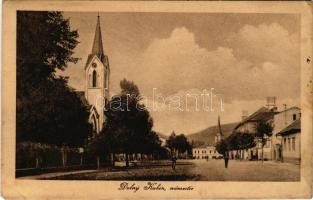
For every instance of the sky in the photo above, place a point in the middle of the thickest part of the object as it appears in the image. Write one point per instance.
(178, 60)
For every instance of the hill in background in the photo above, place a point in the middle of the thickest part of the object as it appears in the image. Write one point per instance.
(206, 137)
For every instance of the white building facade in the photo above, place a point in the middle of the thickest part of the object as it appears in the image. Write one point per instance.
(204, 153)
(282, 120)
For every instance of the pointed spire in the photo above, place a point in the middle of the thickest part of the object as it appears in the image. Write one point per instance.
(219, 126)
(97, 47)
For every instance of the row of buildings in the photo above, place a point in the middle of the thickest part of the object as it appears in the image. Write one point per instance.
(282, 145)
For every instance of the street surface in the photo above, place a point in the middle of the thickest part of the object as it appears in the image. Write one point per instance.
(192, 170)
(214, 170)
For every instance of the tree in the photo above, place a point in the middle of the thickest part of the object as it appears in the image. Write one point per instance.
(221, 147)
(153, 143)
(263, 132)
(128, 124)
(232, 141)
(171, 142)
(239, 141)
(45, 43)
(178, 143)
(247, 140)
(47, 110)
(55, 117)
(97, 146)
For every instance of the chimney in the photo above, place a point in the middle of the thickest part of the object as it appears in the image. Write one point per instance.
(271, 103)
(244, 115)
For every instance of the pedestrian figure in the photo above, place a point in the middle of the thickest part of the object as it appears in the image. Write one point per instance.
(226, 158)
(174, 162)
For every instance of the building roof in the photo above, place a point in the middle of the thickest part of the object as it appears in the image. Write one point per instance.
(293, 107)
(97, 47)
(292, 128)
(204, 146)
(262, 114)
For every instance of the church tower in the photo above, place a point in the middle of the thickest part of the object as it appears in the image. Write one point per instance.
(97, 73)
(219, 134)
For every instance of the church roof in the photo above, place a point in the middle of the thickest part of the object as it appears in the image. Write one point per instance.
(97, 47)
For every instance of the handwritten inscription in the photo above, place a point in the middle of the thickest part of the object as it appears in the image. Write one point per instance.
(127, 186)
(153, 186)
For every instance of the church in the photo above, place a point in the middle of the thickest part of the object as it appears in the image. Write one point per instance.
(97, 73)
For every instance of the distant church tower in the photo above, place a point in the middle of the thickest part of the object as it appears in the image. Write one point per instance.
(219, 134)
(97, 73)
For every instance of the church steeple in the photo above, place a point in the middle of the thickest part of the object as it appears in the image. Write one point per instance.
(219, 134)
(219, 126)
(97, 47)
(97, 75)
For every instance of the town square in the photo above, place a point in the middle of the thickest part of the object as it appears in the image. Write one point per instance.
(225, 105)
(192, 170)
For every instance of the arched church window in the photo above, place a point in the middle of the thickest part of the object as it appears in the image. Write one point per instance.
(94, 78)
(89, 80)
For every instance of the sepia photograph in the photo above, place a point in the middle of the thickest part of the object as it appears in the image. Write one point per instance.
(122, 96)
(169, 99)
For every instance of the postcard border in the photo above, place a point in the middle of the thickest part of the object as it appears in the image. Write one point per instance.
(13, 188)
